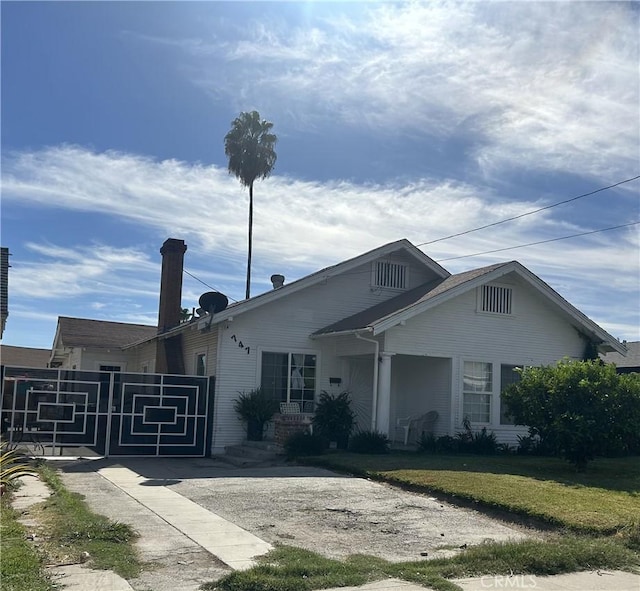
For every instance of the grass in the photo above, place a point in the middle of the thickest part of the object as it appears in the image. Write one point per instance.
(603, 500)
(72, 530)
(20, 564)
(294, 569)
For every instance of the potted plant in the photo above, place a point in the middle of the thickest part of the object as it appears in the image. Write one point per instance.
(256, 409)
(334, 420)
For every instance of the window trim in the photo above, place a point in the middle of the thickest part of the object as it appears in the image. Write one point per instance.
(196, 357)
(491, 394)
(290, 352)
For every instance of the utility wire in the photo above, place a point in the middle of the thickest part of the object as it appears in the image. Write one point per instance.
(206, 284)
(529, 213)
(464, 256)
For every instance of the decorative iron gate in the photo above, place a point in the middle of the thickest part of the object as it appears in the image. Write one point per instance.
(77, 412)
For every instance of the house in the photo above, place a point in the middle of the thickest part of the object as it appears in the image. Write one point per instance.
(625, 364)
(391, 326)
(81, 343)
(24, 356)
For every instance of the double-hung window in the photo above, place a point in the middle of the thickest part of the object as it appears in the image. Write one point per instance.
(477, 391)
(289, 377)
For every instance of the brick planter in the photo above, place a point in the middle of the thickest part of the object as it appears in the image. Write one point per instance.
(287, 425)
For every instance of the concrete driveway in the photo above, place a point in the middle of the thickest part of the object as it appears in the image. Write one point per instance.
(199, 518)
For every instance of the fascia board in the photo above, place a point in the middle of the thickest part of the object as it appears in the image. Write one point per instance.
(579, 317)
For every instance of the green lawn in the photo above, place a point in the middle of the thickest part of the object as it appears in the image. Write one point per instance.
(604, 499)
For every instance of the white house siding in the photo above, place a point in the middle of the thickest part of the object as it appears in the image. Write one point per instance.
(92, 359)
(420, 385)
(536, 334)
(195, 342)
(285, 325)
(143, 355)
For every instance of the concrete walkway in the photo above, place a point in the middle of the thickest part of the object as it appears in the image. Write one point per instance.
(233, 545)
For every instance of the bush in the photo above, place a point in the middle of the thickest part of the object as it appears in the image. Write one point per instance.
(334, 420)
(578, 409)
(428, 443)
(369, 442)
(304, 444)
(256, 409)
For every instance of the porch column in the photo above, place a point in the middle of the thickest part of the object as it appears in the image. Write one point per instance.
(384, 393)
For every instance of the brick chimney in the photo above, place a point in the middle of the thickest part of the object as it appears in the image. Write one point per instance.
(170, 308)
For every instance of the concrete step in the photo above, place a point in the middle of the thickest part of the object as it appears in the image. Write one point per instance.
(250, 454)
(250, 451)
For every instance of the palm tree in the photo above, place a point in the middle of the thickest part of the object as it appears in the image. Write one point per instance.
(249, 145)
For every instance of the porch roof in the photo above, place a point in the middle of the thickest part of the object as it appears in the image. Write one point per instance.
(367, 318)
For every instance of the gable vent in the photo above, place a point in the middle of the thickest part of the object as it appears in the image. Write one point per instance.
(496, 299)
(392, 275)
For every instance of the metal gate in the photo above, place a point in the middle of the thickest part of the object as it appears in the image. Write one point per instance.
(99, 413)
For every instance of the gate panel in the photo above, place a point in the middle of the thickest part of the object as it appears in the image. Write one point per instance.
(159, 415)
(56, 411)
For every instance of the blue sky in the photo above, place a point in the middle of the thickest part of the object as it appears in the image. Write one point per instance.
(394, 120)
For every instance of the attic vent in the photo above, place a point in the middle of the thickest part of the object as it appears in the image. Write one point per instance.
(496, 299)
(388, 274)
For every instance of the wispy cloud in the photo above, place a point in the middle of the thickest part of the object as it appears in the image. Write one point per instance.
(532, 86)
(299, 228)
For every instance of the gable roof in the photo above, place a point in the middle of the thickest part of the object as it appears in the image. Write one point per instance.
(319, 276)
(367, 319)
(630, 360)
(82, 332)
(391, 313)
(24, 356)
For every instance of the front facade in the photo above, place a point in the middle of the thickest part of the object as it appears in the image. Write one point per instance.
(393, 328)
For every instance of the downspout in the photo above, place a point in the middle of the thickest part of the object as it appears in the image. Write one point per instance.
(374, 410)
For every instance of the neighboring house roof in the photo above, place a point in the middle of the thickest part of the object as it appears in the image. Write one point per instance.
(403, 302)
(82, 332)
(24, 356)
(629, 361)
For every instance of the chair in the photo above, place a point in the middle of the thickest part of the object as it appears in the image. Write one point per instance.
(417, 423)
(289, 408)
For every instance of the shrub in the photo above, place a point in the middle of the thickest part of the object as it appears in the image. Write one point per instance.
(13, 465)
(428, 443)
(304, 444)
(369, 442)
(256, 409)
(484, 442)
(578, 409)
(334, 420)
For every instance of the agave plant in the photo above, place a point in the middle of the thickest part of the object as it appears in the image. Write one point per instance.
(12, 465)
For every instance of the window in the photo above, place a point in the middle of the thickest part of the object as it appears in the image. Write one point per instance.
(387, 274)
(110, 368)
(201, 364)
(477, 388)
(289, 377)
(496, 299)
(508, 376)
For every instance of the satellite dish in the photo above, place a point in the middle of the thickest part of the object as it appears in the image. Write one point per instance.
(213, 302)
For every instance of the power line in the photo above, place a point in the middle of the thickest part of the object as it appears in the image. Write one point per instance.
(529, 212)
(206, 284)
(464, 256)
